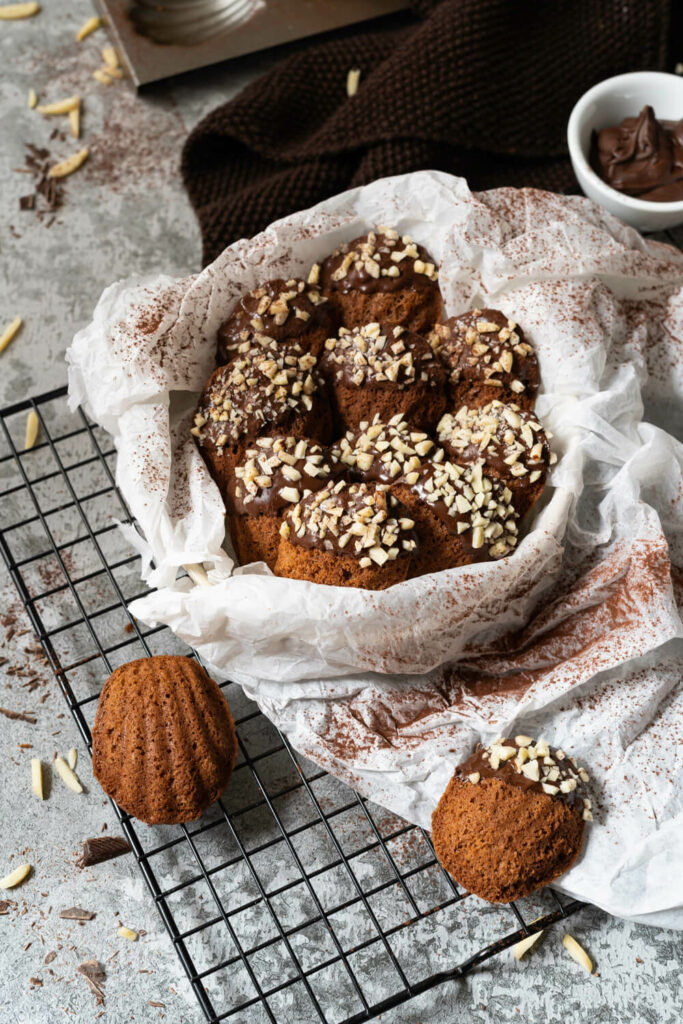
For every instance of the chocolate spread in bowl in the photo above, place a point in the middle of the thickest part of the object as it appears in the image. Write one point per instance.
(641, 157)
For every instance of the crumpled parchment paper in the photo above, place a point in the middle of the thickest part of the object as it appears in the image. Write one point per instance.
(576, 637)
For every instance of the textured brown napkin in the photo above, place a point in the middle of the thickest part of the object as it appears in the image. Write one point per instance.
(481, 88)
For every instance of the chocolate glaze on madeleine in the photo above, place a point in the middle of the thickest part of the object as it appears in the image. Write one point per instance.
(461, 516)
(352, 535)
(379, 367)
(511, 444)
(487, 358)
(266, 388)
(274, 474)
(284, 310)
(383, 452)
(383, 275)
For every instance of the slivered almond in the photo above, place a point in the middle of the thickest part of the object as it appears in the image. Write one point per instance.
(32, 98)
(32, 429)
(127, 933)
(197, 574)
(11, 12)
(87, 28)
(524, 945)
(352, 81)
(109, 56)
(10, 332)
(75, 122)
(61, 106)
(577, 952)
(102, 77)
(69, 165)
(67, 776)
(15, 877)
(37, 777)
(72, 758)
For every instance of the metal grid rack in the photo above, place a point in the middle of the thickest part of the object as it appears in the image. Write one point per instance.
(293, 897)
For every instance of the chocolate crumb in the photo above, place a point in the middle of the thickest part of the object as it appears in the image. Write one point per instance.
(102, 848)
(50, 957)
(94, 974)
(77, 914)
(21, 716)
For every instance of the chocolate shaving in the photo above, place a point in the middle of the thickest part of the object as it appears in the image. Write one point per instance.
(21, 716)
(50, 957)
(153, 1002)
(5, 906)
(102, 848)
(93, 972)
(48, 193)
(77, 914)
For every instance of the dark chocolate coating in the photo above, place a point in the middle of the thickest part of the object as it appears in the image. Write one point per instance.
(384, 355)
(293, 466)
(349, 267)
(479, 762)
(284, 310)
(353, 520)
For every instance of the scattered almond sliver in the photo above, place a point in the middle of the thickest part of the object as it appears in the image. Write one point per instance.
(72, 758)
(10, 12)
(67, 776)
(37, 778)
(15, 877)
(9, 333)
(102, 77)
(69, 165)
(61, 106)
(75, 122)
(32, 98)
(524, 945)
(88, 27)
(32, 429)
(577, 953)
(110, 57)
(197, 574)
(352, 81)
(127, 933)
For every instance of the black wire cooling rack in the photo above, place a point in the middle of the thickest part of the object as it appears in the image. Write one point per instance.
(293, 898)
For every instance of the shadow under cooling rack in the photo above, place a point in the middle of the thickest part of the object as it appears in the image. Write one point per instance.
(292, 898)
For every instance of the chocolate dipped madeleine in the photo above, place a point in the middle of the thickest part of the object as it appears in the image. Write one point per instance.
(511, 444)
(381, 368)
(266, 389)
(460, 515)
(486, 357)
(383, 276)
(348, 535)
(383, 452)
(286, 311)
(511, 819)
(275, 474)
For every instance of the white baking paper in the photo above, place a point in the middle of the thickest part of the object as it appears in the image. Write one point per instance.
(576, 637)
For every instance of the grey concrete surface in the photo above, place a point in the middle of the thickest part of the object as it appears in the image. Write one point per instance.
(125, 212)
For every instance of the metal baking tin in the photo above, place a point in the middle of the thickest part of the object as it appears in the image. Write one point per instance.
(159, 38)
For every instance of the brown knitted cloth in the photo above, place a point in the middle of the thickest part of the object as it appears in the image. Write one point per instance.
(481, 88)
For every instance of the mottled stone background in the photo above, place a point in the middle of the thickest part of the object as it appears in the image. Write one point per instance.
(125, 213)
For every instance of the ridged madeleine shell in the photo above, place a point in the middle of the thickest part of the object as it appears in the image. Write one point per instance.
(164, 742)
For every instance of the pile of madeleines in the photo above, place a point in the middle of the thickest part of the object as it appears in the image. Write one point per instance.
(357, 438)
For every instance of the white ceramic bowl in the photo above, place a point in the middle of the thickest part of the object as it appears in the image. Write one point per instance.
(608, 103)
